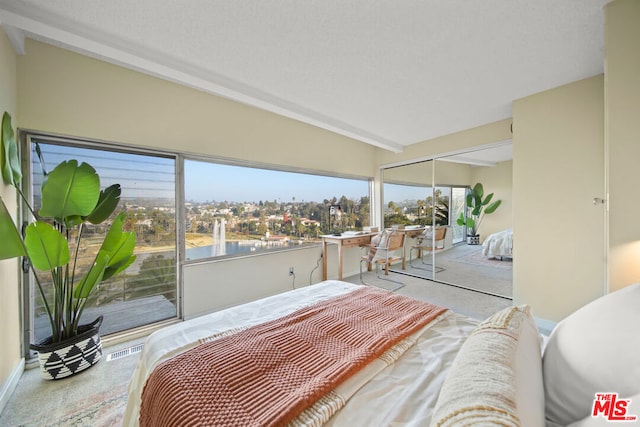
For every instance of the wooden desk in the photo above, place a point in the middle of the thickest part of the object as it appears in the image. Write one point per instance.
(343, 241)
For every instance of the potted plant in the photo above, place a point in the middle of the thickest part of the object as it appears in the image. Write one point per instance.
(478, 205)
(70, 198)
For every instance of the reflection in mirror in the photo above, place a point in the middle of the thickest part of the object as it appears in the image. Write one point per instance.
(432, 194)
(409, 196)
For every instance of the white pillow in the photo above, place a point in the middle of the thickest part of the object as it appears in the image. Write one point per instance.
(496, 377)
(594, 350)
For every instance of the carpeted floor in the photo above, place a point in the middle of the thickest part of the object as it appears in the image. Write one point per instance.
(465, 266)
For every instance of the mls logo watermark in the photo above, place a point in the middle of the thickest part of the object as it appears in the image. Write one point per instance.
(611, 408)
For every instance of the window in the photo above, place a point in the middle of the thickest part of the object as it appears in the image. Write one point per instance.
(415, 204)
(236, 210)
(147, 291)
(229, 210)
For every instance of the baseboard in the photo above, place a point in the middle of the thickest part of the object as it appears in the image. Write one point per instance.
(10, 385)
(545, 326)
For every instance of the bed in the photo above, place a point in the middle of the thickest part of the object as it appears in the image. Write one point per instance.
(499, 244)
(452, 370)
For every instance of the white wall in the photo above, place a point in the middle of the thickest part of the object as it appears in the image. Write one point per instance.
(214, 285)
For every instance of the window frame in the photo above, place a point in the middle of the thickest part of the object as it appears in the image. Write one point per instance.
(28, 292)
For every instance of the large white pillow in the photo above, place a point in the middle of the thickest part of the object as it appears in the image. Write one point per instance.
(496, 377)
(594, 350)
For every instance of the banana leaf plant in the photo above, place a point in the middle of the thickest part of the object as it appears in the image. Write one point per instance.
(478, 205)
(70, 198)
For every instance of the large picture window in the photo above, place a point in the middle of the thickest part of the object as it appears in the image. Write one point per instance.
(239, 210)
(146, 292)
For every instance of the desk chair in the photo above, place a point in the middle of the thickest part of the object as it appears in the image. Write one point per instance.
(386, 248)
(427, 244)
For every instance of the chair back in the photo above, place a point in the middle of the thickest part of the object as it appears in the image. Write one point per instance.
(395, 241)
(441, 232)
(385, 242)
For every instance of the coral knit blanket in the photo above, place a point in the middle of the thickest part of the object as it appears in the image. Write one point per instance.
(270, 373)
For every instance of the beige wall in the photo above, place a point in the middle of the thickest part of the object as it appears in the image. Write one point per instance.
(499, 181)
(558, 168)
(10, 333)
(622, 133)
(67, 93)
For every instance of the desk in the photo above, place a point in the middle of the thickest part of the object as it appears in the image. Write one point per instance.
(343, 241)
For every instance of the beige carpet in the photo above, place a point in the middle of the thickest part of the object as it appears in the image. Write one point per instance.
(465, 266)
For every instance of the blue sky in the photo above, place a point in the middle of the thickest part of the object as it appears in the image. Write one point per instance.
(210, 181)
(145, 176)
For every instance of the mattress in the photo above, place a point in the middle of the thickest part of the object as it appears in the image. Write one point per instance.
(402, 393)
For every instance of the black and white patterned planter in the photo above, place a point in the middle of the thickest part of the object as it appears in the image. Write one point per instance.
(71, 356)
(473, 240)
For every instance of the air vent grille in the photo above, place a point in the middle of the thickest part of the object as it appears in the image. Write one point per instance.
(124, 352)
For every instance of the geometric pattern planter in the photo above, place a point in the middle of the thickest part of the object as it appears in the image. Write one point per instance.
(66, 358)
(473, 240)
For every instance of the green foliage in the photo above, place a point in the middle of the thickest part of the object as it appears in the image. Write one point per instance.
(71, 196)
(478, 205)
(9, 161)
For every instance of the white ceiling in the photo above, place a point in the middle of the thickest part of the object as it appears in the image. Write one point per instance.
(386, 72)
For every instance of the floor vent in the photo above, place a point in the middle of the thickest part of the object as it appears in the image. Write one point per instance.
(124, 352)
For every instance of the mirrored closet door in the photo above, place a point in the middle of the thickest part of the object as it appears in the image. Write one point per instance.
(428, 197)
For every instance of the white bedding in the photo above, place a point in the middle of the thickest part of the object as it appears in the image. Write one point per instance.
(404, 393)
(499, 244)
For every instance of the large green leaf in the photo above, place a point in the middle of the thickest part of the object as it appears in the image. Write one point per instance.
(93, 276)
(46, 246)
(487, 199)
(492, 207)
(470, 200)
(12, 245)
(70, 190)
(9, 161)
(117, 269)
(107, 203)
(478, 190)
(119, 246)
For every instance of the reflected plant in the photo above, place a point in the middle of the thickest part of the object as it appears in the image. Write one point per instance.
(478, 205)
